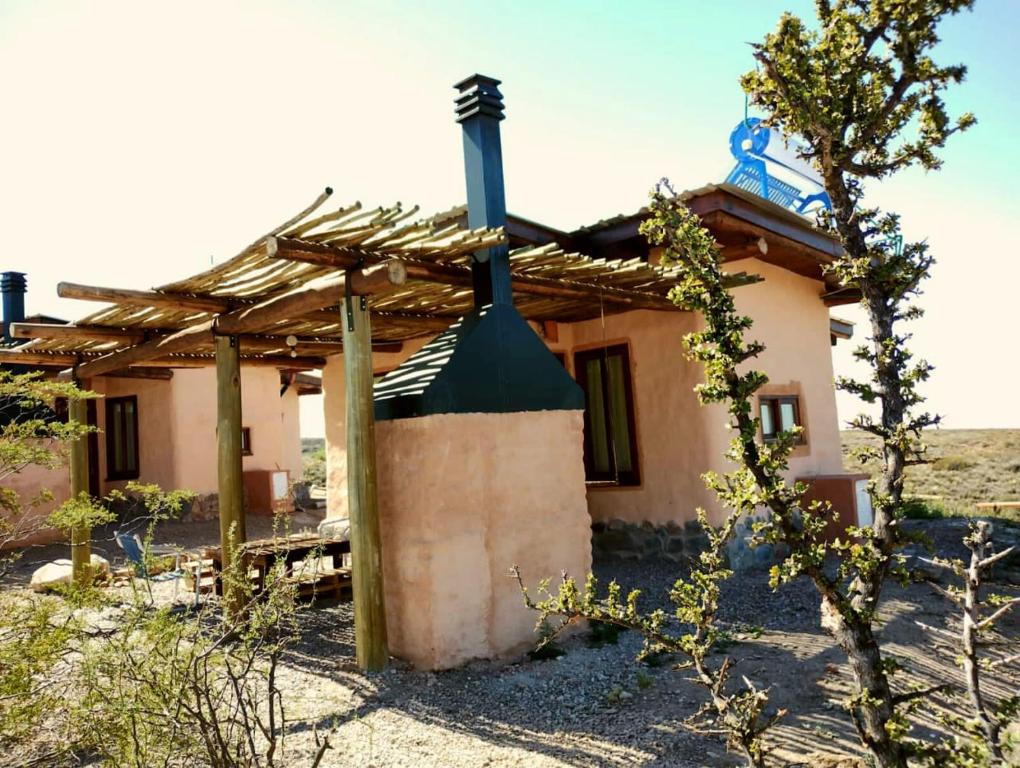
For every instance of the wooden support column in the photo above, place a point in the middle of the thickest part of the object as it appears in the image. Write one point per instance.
(78, 458)
(229, 465)
(363, 508)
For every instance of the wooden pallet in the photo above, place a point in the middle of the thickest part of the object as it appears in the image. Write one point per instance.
(200, 575)
(333, 582)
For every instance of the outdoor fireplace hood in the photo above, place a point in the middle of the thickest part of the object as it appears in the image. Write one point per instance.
(489, 361)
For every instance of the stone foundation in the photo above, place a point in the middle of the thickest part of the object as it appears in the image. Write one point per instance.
(629, 541)
(673, 541)
(205, 506)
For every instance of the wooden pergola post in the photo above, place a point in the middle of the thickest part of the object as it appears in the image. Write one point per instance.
(363, 507)
(229, 464)
(78, 459)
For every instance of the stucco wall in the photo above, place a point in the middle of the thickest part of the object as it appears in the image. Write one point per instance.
(28, 529)
(156, 436)
(334, 406)
(273, 421)
(177, 426)
(670, 427)
(290, 434)
(677, 438)
(462, 498)
(793, 323)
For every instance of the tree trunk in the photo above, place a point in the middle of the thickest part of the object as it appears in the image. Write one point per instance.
(978, 545)
(874, 708)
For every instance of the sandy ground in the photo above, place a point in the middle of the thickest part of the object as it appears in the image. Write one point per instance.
(594, 706)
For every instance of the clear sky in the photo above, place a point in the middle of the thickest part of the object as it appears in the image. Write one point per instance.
(140, 140)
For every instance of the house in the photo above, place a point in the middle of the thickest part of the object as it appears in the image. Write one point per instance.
(647, 440)
(530, 386)
(157, 424)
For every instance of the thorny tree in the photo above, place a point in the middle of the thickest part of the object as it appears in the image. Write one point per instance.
(865, 94)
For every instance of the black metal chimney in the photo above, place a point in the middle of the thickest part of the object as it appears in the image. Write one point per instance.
(12, 287)
(479, 108)
(490, 360)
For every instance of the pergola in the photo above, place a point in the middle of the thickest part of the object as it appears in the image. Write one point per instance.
(306, 290)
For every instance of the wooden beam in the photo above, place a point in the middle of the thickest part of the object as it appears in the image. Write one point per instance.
(142, 298)
(78, 332)
(305, 346)
(229, 468)
(182, 341)
(255, 344)
(78, 461)
(362, 504)
(316, 294)
(452, 274)
(12, 357)
(283, 362)
(426, 322)
(161, 374)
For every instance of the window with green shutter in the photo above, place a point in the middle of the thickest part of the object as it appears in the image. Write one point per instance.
(610, 441)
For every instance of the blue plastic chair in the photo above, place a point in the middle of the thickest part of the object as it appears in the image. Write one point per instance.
(757, 149)
(135, 552)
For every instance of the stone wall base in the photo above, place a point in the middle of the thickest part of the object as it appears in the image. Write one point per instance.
(674, 541)
(630, 541)
(205, 506)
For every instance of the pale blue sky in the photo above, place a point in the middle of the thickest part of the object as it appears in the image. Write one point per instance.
(139, 140)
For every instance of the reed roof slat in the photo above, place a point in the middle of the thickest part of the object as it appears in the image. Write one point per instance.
(406, 311)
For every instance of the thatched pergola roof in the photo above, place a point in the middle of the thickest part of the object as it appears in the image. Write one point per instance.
(285, 284)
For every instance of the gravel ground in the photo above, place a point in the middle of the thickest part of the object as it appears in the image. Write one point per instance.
(595, 705)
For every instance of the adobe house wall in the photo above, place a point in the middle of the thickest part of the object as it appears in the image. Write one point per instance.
(334, 405)
(156, 433)
(273, 420)
(670, 427)
(678, 439)
(27, 485)
(460, 503)
(793, 323)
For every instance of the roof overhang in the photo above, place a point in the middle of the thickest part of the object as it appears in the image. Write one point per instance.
(840, 329)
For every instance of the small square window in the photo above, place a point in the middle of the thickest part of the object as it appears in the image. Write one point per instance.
(779, 413)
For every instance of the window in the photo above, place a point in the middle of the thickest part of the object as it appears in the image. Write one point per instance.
(610, 444)
(246, 441)
(779, 414)
(122, 438)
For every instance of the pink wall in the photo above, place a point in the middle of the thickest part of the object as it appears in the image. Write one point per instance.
(462, 499)
(156, 449)
(334, 405)
(28, 529)
(177, 426)
(678, 439)
(273, 420)
(671, 428)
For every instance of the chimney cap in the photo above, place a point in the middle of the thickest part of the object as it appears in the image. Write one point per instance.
(13, 282)
(479, 94)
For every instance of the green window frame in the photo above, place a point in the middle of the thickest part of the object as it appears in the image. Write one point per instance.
(610, 433)
(122, 438)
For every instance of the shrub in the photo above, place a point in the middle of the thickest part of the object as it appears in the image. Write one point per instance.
(952, 464)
